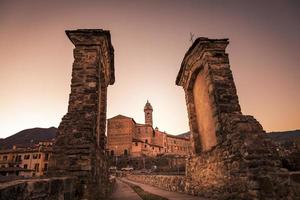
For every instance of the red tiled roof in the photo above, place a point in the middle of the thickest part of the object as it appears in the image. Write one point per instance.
(121, 117)
(177, 137)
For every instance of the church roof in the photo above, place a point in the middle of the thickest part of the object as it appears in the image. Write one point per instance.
(178, 137)
(122, 117)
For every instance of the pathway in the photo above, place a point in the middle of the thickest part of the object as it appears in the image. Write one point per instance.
(164, 193)
(124, 192)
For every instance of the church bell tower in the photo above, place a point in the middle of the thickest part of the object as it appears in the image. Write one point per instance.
(148, 113)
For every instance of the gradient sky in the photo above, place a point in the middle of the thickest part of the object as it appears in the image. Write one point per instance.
(150, 39)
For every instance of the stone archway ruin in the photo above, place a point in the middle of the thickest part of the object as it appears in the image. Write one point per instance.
(209, 89)
(233, 159)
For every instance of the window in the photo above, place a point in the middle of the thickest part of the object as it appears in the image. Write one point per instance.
(125, 152)
(112, 153)
(45, 167)
(25, 166)
(136, 144)
(152, 148)
(39, 156)
(18, 158)
(27, 156)
(36, 167)
(46, 156)
(4, 157)
(146, 141)
(35, 156)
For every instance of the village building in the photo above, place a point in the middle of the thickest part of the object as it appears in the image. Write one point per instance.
(127, 137)
(26, 162)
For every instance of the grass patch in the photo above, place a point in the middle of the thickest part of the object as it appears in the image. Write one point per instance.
(144, 194)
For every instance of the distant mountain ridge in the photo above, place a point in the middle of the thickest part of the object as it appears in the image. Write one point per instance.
(285, 134)
(28, 137)
(286, 137)
(277, 135)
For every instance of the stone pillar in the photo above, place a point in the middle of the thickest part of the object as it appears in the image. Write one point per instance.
(233, 159)
(79, 149)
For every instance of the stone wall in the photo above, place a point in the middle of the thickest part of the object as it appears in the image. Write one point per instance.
(79, 149)
(289, 187)
(35, 189)
(170, 183)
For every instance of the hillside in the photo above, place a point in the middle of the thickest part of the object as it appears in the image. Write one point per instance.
(28, 137)
(285, 134)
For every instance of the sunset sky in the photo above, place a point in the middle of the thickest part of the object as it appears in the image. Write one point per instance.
(150, 39)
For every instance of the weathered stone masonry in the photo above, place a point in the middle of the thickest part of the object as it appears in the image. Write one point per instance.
(79, 149)
(290, 181)
(207, 80)
(53, 188)
(233, 157)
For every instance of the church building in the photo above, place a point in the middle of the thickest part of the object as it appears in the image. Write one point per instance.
(127, 137)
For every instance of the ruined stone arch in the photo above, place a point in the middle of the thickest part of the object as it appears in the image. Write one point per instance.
(209, 91)
(229, 168)
(231, 160)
